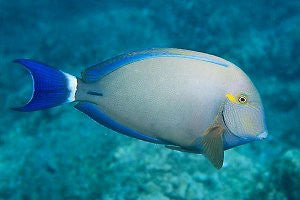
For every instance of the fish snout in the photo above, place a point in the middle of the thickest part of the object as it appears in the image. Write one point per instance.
(263, 135)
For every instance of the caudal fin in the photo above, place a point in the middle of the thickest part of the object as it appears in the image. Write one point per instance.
(51, 87)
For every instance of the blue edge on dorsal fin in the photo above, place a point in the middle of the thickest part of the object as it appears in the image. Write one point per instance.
(98, 71)
(94, 112)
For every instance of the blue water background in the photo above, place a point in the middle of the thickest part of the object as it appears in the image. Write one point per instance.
(62, 154)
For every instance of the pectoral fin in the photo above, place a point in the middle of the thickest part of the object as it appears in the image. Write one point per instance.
(212, 145)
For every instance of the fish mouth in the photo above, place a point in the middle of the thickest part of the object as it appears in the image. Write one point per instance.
(263, 135)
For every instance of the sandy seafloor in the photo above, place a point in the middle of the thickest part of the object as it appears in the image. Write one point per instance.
(61, 154)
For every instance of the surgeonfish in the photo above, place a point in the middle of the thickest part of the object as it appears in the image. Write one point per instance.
(185, 100)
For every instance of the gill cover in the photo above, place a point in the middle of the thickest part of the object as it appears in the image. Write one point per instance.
(245, 120)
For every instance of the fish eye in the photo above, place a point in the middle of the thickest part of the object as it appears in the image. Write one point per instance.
(242, 99)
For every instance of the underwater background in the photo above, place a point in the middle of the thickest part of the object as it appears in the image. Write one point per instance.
(62, 154)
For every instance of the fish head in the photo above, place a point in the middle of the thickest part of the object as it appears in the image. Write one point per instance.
(243, 112)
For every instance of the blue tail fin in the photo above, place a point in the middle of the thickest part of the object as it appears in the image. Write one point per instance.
(51, 87)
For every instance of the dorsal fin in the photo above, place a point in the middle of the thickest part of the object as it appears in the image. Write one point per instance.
(97, 71)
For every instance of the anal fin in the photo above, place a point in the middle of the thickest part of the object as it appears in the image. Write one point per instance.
(179, 148)
(94, 112)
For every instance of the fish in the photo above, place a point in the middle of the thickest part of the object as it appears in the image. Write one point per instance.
(185, 100)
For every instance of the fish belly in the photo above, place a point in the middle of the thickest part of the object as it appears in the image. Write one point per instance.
(170, 98)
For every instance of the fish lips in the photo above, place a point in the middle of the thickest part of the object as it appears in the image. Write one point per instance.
(263, 135)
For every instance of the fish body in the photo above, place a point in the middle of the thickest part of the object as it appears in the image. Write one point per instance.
(169, 98)
(166, 96)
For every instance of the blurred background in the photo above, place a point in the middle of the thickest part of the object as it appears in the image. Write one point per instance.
(61, 154)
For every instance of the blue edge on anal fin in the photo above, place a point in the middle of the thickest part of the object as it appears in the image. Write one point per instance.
(94, 112)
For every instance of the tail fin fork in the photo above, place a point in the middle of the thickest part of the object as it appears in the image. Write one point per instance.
(51, 87)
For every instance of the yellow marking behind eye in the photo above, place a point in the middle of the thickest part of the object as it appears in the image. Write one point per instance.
(231, 98)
